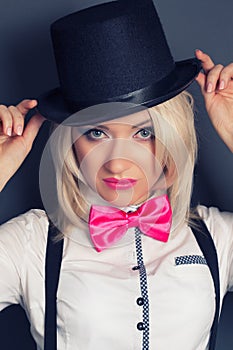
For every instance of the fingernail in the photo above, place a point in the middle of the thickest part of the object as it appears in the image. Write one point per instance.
(222, 85)
(8, 131)
(209, 87)
(19, 130)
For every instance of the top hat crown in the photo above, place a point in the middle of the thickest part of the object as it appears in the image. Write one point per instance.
(113, 52)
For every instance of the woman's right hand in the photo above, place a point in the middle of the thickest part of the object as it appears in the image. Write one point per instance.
(15, 140)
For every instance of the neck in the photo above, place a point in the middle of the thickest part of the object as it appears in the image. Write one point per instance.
(93, 198)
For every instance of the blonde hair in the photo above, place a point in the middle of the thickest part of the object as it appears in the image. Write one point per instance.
(175, 138)
(174, 126)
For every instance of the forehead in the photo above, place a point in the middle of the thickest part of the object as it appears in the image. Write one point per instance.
(138, 118)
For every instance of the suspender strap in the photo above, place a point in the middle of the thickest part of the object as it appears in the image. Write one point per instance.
(52, 271)
(207, 246)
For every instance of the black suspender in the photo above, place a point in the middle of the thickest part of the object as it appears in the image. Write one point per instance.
(208, 249)
(52, 271)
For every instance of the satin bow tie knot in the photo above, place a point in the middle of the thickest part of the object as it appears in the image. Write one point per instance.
(107, 225)
(132, 219)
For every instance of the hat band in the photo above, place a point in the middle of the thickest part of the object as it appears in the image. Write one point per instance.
(138, 97)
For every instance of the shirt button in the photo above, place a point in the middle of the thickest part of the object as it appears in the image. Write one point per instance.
(140, 301)
(140, 326)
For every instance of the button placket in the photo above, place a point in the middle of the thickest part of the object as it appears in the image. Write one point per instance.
(143, 300)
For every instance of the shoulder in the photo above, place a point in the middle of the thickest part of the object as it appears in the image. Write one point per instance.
(220, 226)
(27, 227)
(216, 219)
(23, 240)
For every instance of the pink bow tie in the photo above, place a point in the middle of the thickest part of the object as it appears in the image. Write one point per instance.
(107, 225)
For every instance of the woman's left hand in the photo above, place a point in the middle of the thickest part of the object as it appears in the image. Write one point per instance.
(217, 88)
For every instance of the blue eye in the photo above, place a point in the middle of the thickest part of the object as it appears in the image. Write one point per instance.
(145, 134)
(94, 134)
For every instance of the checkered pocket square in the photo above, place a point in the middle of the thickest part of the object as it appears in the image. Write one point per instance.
(190, 259)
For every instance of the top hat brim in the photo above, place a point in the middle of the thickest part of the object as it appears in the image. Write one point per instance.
(53, 106)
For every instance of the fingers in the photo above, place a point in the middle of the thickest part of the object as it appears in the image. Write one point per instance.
(226, 76)
(17, 121)
(215, 77)
(12, 117)
(6, 120)
(207, 63)
(201, 80)
(25, 106)
(32, 129)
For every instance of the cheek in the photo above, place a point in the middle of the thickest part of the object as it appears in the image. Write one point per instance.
(140, 156)
(90, 160)
(81, 149)
(153, 171)
(144, 156)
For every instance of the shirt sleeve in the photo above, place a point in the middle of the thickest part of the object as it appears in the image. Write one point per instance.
(15, 237)
(220, 225)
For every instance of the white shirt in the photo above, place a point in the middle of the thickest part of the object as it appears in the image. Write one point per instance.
(97, 292)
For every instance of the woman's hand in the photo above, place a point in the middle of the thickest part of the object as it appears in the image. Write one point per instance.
(217, 88)
(15, 140)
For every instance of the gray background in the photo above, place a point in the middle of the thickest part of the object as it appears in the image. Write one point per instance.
(27, 69)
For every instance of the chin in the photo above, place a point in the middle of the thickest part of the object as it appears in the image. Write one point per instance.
(124, 199)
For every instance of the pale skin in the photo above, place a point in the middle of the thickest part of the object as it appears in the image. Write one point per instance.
(216, 85)
(120, 149)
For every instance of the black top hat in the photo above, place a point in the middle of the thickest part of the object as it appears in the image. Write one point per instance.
(113, 52)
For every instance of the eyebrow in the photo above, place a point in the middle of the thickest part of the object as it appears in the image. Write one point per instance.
(141, 124)
(106, 128)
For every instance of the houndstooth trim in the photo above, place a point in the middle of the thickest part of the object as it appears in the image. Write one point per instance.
(144, 290)
(190, 259)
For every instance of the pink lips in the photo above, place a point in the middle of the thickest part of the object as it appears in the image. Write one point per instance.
(119, 184)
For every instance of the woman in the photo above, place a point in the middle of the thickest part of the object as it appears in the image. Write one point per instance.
(126, 162)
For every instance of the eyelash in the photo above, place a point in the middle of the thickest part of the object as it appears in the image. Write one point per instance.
(149, 130)
(89, 134)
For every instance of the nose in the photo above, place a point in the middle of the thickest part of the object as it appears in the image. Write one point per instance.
(117, 165)
(118, 156)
